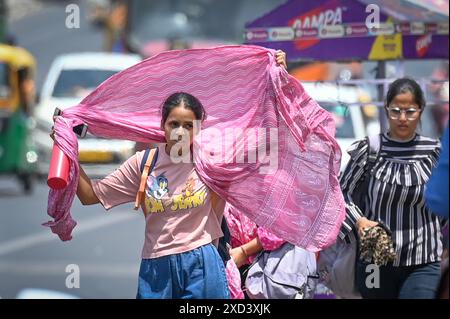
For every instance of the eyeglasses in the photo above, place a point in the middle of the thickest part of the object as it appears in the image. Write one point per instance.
(411, 114)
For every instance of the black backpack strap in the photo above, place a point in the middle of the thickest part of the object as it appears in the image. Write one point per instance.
(146, 169)
(144, 159)
(373, 149)
(224, 241)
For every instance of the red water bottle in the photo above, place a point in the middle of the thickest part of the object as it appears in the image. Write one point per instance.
(58, 174)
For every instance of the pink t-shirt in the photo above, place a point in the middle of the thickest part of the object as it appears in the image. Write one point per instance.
(178, 210)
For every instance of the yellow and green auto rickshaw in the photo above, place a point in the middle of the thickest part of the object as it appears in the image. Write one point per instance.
(17, 96)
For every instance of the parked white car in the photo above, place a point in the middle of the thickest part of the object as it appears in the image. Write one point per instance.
(342, 101)
(71, 78)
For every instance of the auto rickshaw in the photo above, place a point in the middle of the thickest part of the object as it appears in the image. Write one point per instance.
(17, 96)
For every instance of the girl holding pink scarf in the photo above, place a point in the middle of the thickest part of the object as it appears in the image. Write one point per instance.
(293, 191)
(183, 216)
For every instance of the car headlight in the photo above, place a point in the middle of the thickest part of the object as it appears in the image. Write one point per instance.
(31, 157)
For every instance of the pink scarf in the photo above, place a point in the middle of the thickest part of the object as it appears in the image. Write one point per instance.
(240, 87)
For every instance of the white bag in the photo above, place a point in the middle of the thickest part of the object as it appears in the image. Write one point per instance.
(339, 263)
(289, 272)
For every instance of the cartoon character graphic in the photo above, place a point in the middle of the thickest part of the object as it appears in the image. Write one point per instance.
(188, 189)
(158, 186)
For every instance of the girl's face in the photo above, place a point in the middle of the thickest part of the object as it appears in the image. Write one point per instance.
(404, 116)
(179, 126)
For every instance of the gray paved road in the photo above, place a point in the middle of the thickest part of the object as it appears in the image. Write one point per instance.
(106, 247)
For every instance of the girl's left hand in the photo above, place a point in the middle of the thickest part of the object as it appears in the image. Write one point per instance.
(281, 58)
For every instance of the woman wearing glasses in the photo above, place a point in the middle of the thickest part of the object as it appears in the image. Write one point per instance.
(395, 198)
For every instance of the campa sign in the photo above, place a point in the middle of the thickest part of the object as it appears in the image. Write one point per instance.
(315, 19)
(422, 45)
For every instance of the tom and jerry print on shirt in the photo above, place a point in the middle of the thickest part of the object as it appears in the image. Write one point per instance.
(160, 198)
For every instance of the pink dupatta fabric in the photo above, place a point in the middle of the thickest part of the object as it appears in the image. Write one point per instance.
(241, 87)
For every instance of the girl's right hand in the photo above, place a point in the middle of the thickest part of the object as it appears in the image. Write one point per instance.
(52, 134)
(281, 58)
(364, 223)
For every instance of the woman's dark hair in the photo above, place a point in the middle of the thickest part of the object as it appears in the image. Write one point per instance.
(183, 99)
(404, 85)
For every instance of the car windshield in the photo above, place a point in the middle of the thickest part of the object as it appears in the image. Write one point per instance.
(197, 19)
(342, 119)
(79, 83)
(5, 88)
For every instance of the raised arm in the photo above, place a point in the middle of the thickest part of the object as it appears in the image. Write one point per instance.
(85, 192)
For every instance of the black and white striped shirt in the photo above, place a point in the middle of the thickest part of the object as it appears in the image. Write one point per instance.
(396, 196)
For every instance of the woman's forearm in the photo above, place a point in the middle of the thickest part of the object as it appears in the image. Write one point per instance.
(85, 192)
(253, 247)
